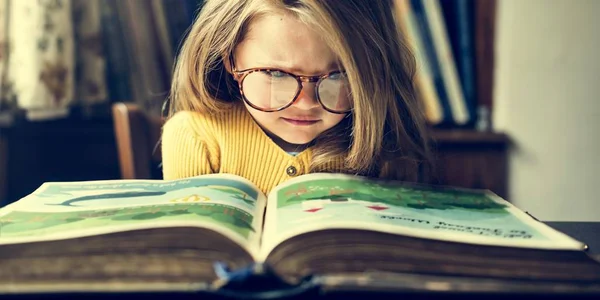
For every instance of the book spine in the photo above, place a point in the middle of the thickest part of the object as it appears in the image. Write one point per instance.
(149, 64)
(484, 27)
(423, 78)
(179, 19)
(465, 53)
(434, 64)
(136, 83)
(117, 71)
(441, 45)
(164, 40)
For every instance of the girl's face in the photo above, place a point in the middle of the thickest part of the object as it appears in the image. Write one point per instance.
(282, 42)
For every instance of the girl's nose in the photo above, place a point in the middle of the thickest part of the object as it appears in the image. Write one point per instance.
(307, 99)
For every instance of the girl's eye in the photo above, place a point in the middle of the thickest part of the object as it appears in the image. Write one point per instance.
(277, 74)
(335, 76)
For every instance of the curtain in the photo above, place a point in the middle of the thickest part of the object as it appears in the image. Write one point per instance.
(51, 56)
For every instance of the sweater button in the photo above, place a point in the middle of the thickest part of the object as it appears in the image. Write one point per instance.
(291, 171)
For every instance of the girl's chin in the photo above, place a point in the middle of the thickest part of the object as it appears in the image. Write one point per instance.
(298, 141)
(294, 142)
(291, 139)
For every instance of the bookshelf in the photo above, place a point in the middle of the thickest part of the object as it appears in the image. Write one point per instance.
(471, 159)
(462, 136)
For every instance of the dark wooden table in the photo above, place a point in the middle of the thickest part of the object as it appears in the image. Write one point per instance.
(587, 232)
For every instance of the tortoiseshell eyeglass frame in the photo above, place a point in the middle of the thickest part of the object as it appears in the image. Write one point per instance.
(240, 75)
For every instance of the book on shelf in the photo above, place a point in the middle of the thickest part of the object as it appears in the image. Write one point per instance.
(425, 87)
(440, 33)
(212, 233)
(432, 11)
(459, 17)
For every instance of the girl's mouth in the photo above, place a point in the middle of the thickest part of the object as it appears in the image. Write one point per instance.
(300, 122)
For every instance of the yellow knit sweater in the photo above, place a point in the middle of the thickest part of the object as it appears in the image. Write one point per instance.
(195, 144)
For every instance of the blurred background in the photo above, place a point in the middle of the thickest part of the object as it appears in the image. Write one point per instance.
(509, 89)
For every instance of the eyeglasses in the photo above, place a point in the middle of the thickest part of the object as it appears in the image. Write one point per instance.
(271, 90)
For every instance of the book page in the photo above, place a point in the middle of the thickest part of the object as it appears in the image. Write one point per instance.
(228, 204)
(327, 201)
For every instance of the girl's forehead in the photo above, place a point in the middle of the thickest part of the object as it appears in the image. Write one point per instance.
(285, 42)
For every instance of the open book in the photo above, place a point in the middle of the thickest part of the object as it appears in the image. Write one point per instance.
(342, 231)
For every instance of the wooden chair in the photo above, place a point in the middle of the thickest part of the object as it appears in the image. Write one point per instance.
(138, 142)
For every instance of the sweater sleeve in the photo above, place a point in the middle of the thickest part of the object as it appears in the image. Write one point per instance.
(185, 152)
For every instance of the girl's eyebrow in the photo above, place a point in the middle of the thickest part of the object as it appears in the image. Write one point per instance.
(333, 66)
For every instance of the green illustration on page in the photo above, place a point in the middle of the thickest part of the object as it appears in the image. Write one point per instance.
(63, 208)
(18, 223)
(326, 202)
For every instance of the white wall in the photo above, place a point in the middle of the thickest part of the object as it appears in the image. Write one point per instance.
(547, 98)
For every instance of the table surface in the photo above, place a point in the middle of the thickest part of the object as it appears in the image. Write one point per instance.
(586, 232)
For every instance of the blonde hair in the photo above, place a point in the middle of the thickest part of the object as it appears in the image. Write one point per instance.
(384, 136)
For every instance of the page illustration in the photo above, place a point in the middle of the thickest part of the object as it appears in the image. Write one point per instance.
(72, 208)
(336, 200)
(324, 201)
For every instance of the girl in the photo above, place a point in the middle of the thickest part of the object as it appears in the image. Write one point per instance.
(271, 89)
